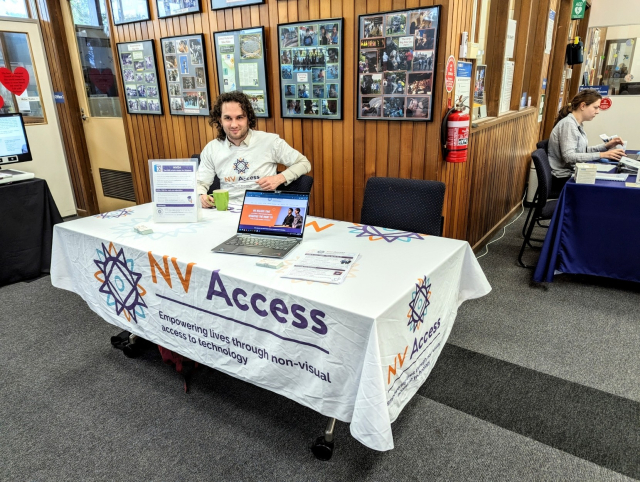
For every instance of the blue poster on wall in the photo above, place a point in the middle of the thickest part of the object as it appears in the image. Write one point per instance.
(603, 90)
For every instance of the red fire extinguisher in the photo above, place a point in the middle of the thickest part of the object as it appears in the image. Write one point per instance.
(455, 133)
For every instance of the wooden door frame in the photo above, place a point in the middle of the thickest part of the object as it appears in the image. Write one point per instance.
(73, 137)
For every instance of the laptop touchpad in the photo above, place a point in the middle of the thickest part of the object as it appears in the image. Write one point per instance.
(247, 250)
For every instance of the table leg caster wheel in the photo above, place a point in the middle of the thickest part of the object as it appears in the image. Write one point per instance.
(322, 449)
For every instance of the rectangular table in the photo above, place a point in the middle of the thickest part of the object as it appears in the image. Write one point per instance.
(28, 216)
(594, 231)
(356, 352)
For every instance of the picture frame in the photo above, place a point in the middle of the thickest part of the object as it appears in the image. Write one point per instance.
(185, 70)
(310, 69)
(137, 11)
(396, 64)
(221, 4)
(139, 73)
(241, 62)
(169, 8)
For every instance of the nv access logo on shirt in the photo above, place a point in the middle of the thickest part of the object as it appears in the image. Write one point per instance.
(241, 166)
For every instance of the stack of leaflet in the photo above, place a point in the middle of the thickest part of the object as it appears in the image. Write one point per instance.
(586, 173)
(322, 266)
(612, 177)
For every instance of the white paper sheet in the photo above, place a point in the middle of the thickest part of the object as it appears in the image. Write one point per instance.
(323, 266)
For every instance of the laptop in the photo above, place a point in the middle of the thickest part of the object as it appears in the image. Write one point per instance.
(271, 224)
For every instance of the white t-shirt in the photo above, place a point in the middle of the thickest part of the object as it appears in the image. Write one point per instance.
(239, 167)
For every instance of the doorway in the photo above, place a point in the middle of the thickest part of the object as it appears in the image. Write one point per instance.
(88, 32)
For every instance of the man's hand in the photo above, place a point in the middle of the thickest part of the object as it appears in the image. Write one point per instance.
(613, 154)
(270, 183)
(206, 201)
(613, 143)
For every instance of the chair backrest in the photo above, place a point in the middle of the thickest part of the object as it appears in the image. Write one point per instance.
(411, 205)
(216, 180)
(303, 184)
(543, 172)
(544, 144)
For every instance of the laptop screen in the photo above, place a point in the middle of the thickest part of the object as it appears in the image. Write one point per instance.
(274, 213)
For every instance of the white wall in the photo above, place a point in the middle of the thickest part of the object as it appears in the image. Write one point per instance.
(607, 13)
(622, 117)
(45, 140)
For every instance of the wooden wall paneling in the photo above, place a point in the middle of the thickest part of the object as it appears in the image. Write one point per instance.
(499, 176)
(523, 16)
(337, 175)
(496, 45)
(147, 121)
(350, 110)
(349, 36)
(539, 58)
(557, 65)
(314, 130)
(432, 151)
(329, 200)
(167, 126)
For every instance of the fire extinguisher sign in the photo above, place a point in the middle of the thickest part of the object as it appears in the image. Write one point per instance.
(450, 74)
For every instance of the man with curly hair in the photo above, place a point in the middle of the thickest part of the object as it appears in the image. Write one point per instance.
(241, 157)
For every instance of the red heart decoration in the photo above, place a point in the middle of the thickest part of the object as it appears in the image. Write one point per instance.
(16, 81)
(102, 79)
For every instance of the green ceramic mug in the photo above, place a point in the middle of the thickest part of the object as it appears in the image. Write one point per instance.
(221, 198)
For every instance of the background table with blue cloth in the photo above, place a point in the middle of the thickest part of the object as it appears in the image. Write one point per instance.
(595, 230)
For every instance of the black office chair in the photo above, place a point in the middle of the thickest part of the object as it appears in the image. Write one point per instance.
(542, 208)
(216, 180)
(303, 184)
(411, 205)
(544, 144)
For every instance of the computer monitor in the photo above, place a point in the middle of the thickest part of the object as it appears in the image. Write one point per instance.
(14, 145)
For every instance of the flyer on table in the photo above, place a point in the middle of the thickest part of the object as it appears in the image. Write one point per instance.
(174, 191)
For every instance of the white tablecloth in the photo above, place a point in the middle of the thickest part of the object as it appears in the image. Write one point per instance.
(357, 351)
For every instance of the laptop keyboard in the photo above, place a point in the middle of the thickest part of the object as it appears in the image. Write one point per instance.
(262, 242)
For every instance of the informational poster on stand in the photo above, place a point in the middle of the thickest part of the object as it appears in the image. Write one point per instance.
(507, 85)
(173, 190)
(549, 36)
(463, 82)
(479, 104)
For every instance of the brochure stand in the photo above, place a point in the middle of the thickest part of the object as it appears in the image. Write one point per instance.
(173, 190)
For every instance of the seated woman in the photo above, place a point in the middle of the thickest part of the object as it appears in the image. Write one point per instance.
(568, 142)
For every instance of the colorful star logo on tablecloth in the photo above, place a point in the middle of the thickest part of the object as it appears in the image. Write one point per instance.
(241, 166)
(375, 233)
(419, 303)
(120, 282)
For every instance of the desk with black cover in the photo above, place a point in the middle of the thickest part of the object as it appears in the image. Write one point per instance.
(28, 215)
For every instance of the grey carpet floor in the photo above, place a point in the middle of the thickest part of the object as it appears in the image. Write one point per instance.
(501, 404)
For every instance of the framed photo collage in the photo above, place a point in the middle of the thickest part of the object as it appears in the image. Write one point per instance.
(396, 68)
(186, 73)
(310, 61)
(140, 77)
(396, 64)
